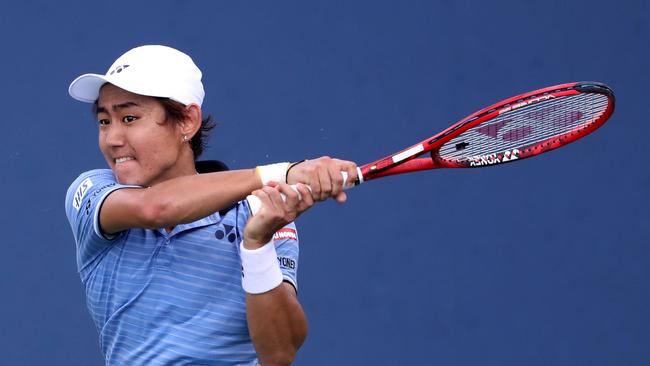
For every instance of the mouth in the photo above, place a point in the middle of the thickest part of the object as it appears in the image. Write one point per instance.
(123, 159)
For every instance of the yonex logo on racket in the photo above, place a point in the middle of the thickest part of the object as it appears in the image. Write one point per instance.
(491, 159)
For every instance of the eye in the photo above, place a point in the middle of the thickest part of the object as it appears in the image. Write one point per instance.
(129, 119)
(104, 122)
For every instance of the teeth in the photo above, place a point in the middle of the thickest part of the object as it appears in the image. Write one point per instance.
(123, 159)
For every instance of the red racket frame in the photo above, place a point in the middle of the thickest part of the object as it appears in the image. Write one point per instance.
(407, 160)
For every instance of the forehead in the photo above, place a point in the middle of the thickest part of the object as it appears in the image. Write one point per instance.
(111, 96)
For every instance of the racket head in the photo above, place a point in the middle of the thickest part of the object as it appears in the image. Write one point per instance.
(520, 127)
(524, 126)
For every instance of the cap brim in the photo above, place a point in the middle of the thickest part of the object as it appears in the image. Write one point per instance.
(86, 87)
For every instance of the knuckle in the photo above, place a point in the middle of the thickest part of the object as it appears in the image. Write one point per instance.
(290, 193)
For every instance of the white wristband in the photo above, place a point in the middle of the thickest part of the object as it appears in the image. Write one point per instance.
(273, 172)
(261, 270)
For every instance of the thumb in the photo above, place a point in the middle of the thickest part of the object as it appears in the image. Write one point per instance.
(341, 197)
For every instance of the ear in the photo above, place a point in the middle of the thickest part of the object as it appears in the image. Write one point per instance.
(191, 124)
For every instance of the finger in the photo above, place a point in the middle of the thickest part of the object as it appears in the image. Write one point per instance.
(307, 200)
(265, 201)
(336, 179)
(325, 185)
(287, 205)
(314, 184)
(353, 174)
(291, 196)
(341, 197)
(275, 205)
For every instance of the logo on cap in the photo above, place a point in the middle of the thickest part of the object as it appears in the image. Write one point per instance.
(118, 69)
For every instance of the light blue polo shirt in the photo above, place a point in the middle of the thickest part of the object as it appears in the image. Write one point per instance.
(161, 298)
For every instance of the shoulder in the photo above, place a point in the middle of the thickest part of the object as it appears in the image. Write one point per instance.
(92, 180)
(91, 177)
(96, 173)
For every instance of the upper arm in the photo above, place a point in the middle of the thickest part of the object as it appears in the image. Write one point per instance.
(95, 202)
(127, 208)
(82, 205)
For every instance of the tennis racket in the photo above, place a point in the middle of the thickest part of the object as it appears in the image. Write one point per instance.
(517, 128)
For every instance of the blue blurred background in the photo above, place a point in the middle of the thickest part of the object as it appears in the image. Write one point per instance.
(545, 262)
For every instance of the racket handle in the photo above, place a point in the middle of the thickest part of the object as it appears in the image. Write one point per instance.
(254, 203)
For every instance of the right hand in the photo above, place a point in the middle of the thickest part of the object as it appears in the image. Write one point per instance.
(323, 176)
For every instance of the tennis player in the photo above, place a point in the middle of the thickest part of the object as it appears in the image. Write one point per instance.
(175, 268)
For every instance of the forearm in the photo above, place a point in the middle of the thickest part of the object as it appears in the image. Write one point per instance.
(277, 324)
(189, 198)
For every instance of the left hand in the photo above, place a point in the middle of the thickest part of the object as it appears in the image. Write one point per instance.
(274, 212)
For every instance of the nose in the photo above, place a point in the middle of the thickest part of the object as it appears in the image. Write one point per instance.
(114, 135)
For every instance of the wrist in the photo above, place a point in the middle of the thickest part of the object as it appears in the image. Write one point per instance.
(272, 173)
(252, 244)
(260, 269)
(286, 178)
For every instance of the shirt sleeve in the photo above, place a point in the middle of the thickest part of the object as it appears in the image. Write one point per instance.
(82, 204)
(286, 246)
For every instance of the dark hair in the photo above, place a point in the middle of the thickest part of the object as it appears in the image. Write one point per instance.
(175, 112)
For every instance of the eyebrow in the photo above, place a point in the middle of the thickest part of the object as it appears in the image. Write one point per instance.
(116, 107)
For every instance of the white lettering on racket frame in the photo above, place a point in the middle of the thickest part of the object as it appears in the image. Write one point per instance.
(481, 160)
(526, 102)
(408, 153)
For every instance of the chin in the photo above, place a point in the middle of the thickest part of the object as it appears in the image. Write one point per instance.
(130, 175)
(128, 179)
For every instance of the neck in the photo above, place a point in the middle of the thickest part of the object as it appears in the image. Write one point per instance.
(183, 166)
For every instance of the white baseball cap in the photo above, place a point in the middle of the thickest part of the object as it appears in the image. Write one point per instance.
(152, 70)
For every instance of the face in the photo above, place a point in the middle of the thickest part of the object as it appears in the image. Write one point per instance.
(139, 145)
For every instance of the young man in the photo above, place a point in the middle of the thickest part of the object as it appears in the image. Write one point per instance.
(176, 269)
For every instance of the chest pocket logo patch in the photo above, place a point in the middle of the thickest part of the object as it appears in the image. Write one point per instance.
(226, 230)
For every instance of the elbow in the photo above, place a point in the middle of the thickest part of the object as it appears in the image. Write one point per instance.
(154, 214)
(283, 358)
(284, 355)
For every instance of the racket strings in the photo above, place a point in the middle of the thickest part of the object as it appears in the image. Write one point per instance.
(526, 126)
